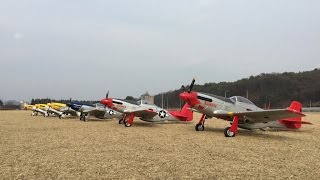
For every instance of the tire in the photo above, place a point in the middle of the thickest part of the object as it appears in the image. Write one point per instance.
(228, 133)
(126, 124)
(120, 121)
(199, 127)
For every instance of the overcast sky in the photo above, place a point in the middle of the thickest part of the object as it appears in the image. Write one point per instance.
(81, 49)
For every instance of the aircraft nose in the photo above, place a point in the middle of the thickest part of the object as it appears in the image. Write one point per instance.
(107, 102)
(190, 98)
(184, 96)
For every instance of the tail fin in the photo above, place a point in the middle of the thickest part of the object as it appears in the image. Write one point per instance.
(185, 113)
(294, 123)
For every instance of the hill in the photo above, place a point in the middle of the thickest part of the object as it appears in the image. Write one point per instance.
(278, 89)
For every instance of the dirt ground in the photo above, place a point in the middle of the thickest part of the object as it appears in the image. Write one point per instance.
(52, 148)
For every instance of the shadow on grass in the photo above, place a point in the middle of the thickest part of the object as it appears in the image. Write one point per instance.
(253, 133)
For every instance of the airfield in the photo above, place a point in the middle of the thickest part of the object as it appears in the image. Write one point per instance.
(53, 148)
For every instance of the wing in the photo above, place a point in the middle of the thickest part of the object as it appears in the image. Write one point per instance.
(261, 116)
(96, 112)
(69, 111)
(144, 113)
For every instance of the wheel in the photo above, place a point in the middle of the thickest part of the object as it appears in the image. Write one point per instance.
(45, 115)
(120, 121)
(228, 133)
(32, 114)
(60, 116)
(126, 124)
(199, 127)
(85, 118)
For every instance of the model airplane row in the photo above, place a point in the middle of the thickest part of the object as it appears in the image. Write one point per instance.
(125, 112)
(239, 111)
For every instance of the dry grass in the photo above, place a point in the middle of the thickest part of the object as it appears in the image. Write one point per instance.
(51, 148)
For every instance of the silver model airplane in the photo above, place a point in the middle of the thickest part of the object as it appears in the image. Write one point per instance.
(146, 112)
(241, 112)
(85, 111)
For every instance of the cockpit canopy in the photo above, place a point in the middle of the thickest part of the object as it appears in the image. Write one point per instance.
(240, 99)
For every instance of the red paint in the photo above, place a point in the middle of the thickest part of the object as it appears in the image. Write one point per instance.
(190, 98)
(210, 104)
(184, 115)
(107, 102)
(294, 123)
(130, 121)
(203, 118)
(200, 107)
(234, 126)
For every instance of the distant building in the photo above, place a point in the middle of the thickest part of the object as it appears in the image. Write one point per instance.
(147, 98)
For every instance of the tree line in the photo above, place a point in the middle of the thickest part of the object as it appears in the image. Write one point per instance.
(274, 89)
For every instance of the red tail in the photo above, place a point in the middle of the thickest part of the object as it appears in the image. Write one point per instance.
(185, 114)
(294, 123)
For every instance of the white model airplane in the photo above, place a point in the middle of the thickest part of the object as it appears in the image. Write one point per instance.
(146, 112)
(241, 112)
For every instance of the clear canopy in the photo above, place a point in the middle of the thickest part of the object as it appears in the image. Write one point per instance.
(240, 99)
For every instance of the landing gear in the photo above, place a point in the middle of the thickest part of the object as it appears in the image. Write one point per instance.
(127, 124)
(200, 125)
(128, 121)
(121, 121)
(84, 117)
(232, 131)
(45, 114)
(228, 133)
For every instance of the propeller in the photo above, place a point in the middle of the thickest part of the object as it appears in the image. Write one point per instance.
(104, 101)
(191, 85)
(189, 96)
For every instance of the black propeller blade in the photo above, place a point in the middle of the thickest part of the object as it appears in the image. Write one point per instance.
(107, 95)
(191, 85)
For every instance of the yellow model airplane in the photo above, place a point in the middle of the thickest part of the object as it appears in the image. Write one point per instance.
(57, 106)
(40, 108)
(28, 107)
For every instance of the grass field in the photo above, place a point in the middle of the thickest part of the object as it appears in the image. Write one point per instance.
(52, 148)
